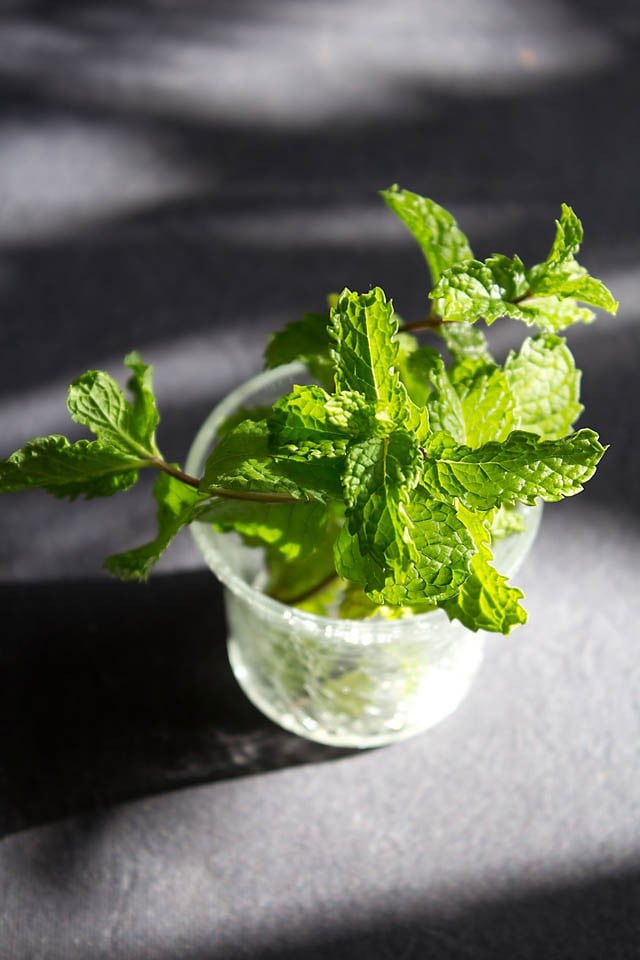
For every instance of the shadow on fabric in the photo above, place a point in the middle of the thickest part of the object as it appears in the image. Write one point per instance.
(114, 691)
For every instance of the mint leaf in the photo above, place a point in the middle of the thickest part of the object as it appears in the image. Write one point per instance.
(464, 340)
(242, 463)
(430, 561)
(304, 426)
(562, 278)
(306, 340)
(584, 288)
(485, 601)
(417, 386)
(545, 296)
(509, 275)
(379, 473)
(305, 573)
(504, 521)
(523, 468)
(444, 404)
(367, 358)
(350, 413)
(363, 327)
(177, 506)
(545, 386)
(377, 467)
(87, 467)
(96, 401)
(293, 529)
(568, 238)
(353, 564)
(144, 417)
(486, 401)
(473, 289)
(552, 314)
(440, 239)
(471, 401)
(401, 546)
(424, 365)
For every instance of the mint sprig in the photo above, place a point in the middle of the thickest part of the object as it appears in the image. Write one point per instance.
(124, 444)
(384, 481)
(548, 295)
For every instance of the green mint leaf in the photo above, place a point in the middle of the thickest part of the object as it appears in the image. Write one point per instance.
(568, 238)
(464, 340)
(590, 290)
(96, 401)
(389, 461)
(486, 401)
(293, 529)
(553, 314)
(436, 231)
(350, 413)
(432, 561)
(506, 520)
(379, 472)
(569, 281)
(305, 573)
(473, 289)
(240, 415)
(423, 364)
(444, 404)
(353, 564)
(562, 278)
(429, 562)
(144, 417)
(308, 423)
(545, 386)
(363, 327)
(509, 275)
(485, 601)
(562, 275)
(306, 340)
(87, 467)
(367, 355)
(242, 464)
(417, 386)
(471, 401)
(400, 545)
(177, 506)
(545, 296)
(523, 468)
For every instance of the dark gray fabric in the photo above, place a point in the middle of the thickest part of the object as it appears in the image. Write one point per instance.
(181, 179)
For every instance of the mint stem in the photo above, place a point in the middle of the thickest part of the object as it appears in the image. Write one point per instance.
(432, 322)
(261, 497)
(161, 464)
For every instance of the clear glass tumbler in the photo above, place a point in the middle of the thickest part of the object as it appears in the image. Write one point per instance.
(349, 683)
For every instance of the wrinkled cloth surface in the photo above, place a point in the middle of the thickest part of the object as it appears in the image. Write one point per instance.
(181, 180)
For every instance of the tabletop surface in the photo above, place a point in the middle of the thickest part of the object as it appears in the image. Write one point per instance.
(181, 180)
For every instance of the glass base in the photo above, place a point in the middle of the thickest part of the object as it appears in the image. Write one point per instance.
(355, 695)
